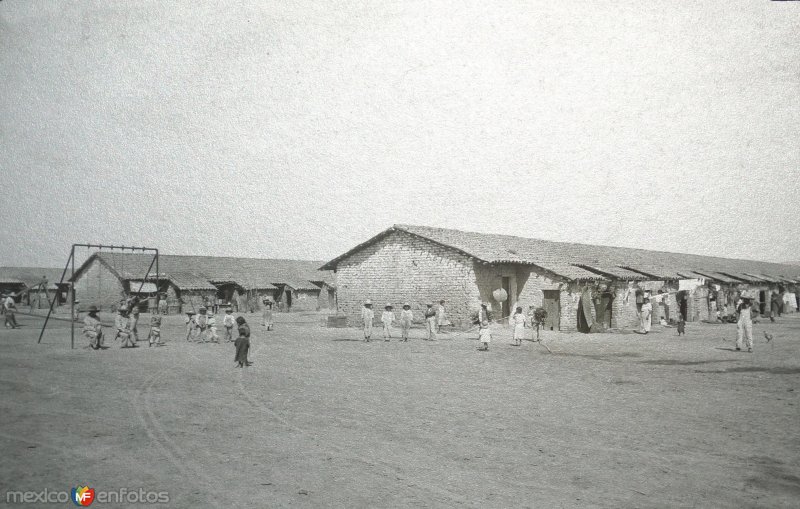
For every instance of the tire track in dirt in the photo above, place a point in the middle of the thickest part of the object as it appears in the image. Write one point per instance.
(392, 471)
(168, 448)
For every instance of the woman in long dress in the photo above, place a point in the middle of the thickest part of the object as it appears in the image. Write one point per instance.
(646, 316)
(520, 321)
(242, 343)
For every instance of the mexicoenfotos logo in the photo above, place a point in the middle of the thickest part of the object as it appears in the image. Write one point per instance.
(83, 496)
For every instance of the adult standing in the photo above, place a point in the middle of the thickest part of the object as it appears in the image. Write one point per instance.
(406, 317)
(430, 320)
(646, 316)
(367, 315)
(441, 318)
(9, 307)
(744, 326)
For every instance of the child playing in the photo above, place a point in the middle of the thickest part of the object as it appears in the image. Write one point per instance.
(406, 317)
(201, 324)
(229, 321)
(189, 324)
(367, 314)
(123, 329)
(92, 329)
(387, 318)
(520, 322)
(242, 343)
(211, 323)
(154, 337)
(484, 336)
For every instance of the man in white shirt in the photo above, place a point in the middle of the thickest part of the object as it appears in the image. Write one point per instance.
(8, 309)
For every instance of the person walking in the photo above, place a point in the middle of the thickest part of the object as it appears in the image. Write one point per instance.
(386, 319)
(93, 329)
(484, 335)
(367, 315)
(406, 318)
(430, 321)
(744, 326)
(520, 322)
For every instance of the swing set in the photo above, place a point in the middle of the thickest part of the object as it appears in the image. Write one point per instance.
(71, 280)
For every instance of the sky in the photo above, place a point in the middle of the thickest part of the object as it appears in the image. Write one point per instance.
(300, 129)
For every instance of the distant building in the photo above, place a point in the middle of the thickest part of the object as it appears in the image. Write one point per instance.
(191, 281)
(34, 286)
(583, 287)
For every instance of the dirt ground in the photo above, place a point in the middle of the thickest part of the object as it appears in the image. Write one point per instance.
(324, 420)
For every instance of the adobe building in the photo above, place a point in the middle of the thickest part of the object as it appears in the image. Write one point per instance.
(189, 282)
(583, 287)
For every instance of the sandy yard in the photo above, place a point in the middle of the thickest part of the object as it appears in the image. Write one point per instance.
(322, 419)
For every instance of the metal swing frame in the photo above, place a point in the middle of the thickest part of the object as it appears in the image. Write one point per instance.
(71, 263)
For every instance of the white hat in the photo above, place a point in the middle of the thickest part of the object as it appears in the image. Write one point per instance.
(367, 302)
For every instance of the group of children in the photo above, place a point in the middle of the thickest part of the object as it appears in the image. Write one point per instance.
(435, 319)
(200, 327)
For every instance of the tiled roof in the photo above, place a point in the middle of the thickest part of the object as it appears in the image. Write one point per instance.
(299, 284)
(197, 272)
(31, 275)
(563, 258)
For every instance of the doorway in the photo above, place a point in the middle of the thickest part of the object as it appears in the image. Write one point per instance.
(506, 306)
(288, 299)
(551, 304)
(762, 302)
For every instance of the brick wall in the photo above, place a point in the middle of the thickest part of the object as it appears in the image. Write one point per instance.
(402, 268)
(98, 286)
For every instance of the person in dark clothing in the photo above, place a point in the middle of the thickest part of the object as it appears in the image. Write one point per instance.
(242, 343)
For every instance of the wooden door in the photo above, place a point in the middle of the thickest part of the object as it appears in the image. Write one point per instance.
(552, 306)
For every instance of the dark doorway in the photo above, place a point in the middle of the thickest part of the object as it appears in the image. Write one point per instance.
(288, 300)
(762, 302)
(507, 304)
(683, 304)
(552, 305)
(585, 313)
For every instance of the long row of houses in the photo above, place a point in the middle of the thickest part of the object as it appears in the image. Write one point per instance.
(582, 287)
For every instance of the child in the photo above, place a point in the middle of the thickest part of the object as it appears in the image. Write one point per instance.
(92, 329)
(387, 318)
(211, 323)
(406, 317)
(268, 313)
(189, 324)
(367, 314)
(201, 323)
(123, 329)
(242, 343)
(681, 326)
(430, 321)
(229, 321)
(134, 320)
(155, 331)
(520, 321)
(484, 336)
